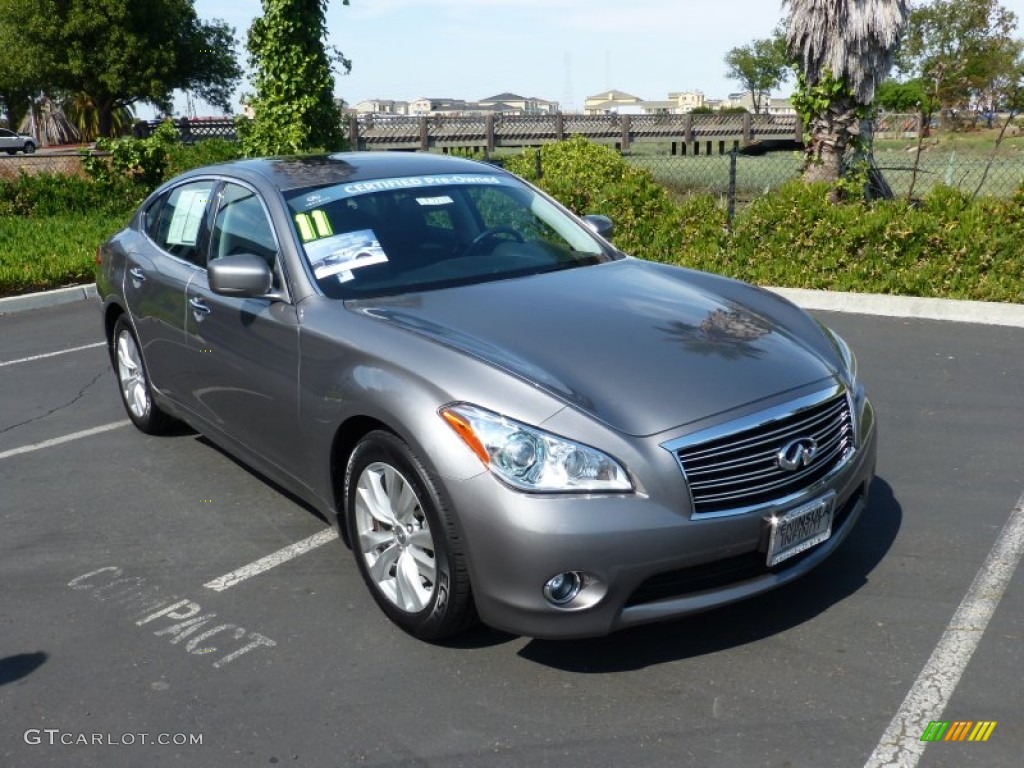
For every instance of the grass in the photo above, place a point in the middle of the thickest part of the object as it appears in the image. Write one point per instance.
(941, 165)
(40, 253)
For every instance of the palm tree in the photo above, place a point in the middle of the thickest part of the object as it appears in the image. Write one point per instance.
(83, 112)
(47, 122)
(843, 49)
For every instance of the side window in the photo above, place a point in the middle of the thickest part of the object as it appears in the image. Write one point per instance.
(241, 226)
(179, 224)
(151, 218)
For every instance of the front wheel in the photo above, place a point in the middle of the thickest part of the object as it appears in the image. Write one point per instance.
(133, 382)
(29, 148)
(404, 540)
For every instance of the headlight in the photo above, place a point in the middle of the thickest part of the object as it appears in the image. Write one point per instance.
(849, 359)
(531, 459)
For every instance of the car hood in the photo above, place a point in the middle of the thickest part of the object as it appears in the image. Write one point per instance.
(639, 346)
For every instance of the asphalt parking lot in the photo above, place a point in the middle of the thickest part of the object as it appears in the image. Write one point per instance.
(112, 544)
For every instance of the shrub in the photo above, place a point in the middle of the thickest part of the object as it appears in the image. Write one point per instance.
(47, 194)
(143, 161)
(185, 157)
(948, 246)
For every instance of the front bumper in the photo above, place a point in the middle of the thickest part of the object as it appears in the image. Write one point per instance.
(645, 561)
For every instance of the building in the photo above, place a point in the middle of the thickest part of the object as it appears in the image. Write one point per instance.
(382, 107)
(781, 107)
(502, 104)
(520, 105)
(687, 101)
(431, 106)
(621, 103)
(612, 102)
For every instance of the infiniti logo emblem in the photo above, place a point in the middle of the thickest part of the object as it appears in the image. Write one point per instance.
(796, 454)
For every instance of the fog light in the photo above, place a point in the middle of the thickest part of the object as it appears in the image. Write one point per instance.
(562, 588)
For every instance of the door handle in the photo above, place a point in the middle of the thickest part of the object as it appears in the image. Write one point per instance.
(198, 306)
(137, 274)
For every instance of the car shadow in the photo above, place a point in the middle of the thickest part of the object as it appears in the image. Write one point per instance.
(13, 668)
(846, 571)
(200, 438)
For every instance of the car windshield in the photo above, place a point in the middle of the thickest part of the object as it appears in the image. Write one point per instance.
(397, 235)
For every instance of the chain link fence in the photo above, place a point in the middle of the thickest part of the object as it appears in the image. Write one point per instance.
(975, 164)
(65, 163)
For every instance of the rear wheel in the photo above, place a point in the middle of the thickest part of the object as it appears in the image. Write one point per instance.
(133, 382)
(404, 540)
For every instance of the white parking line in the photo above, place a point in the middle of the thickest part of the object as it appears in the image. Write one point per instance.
(901, 743)
(64, 439)
(54, 354)
(266, 563)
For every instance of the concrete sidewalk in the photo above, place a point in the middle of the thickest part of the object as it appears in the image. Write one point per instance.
(981, 312)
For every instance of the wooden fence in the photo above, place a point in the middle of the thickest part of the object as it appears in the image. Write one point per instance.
(488, 132)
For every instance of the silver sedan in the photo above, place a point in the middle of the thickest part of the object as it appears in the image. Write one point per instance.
(506, 417)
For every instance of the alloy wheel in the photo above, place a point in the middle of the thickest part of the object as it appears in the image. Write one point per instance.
(394, 538)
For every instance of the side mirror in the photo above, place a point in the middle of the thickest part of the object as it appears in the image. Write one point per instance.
(243, 275)
(601, 225)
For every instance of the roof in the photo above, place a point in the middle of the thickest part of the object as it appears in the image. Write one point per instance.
(613, 95)
(505, 97)
(288, 173)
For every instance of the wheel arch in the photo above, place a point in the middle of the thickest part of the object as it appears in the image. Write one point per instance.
(346, 438)
(110, 314)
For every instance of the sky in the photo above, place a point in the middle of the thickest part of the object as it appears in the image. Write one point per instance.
(560, 50)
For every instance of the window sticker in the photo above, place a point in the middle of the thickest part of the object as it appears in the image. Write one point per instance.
(340, 254)
(188, 215)
(443, 200)
(313, 225)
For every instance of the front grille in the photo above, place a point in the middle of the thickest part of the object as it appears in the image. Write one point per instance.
(741, 470)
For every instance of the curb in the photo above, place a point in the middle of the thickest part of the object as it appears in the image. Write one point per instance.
(45, 299)
(949, 310)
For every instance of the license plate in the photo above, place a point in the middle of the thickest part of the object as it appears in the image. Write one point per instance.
(799, 530)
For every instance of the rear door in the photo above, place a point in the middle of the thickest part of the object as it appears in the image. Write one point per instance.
(158, 269)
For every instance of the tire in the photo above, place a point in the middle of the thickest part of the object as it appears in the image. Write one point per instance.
(405, 543)
(11, 151)
(133, 382)
(29, 148)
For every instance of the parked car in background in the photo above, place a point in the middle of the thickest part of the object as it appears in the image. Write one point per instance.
(11, 142)
(505, 416)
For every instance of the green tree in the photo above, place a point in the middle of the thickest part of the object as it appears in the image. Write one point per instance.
(843, 49)
(293, 106)
(760, 66)
(908, 96)
(20, 77)
(120, 52)
(965, 50)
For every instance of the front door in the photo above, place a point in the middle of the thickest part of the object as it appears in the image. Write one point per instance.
(244, 353)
